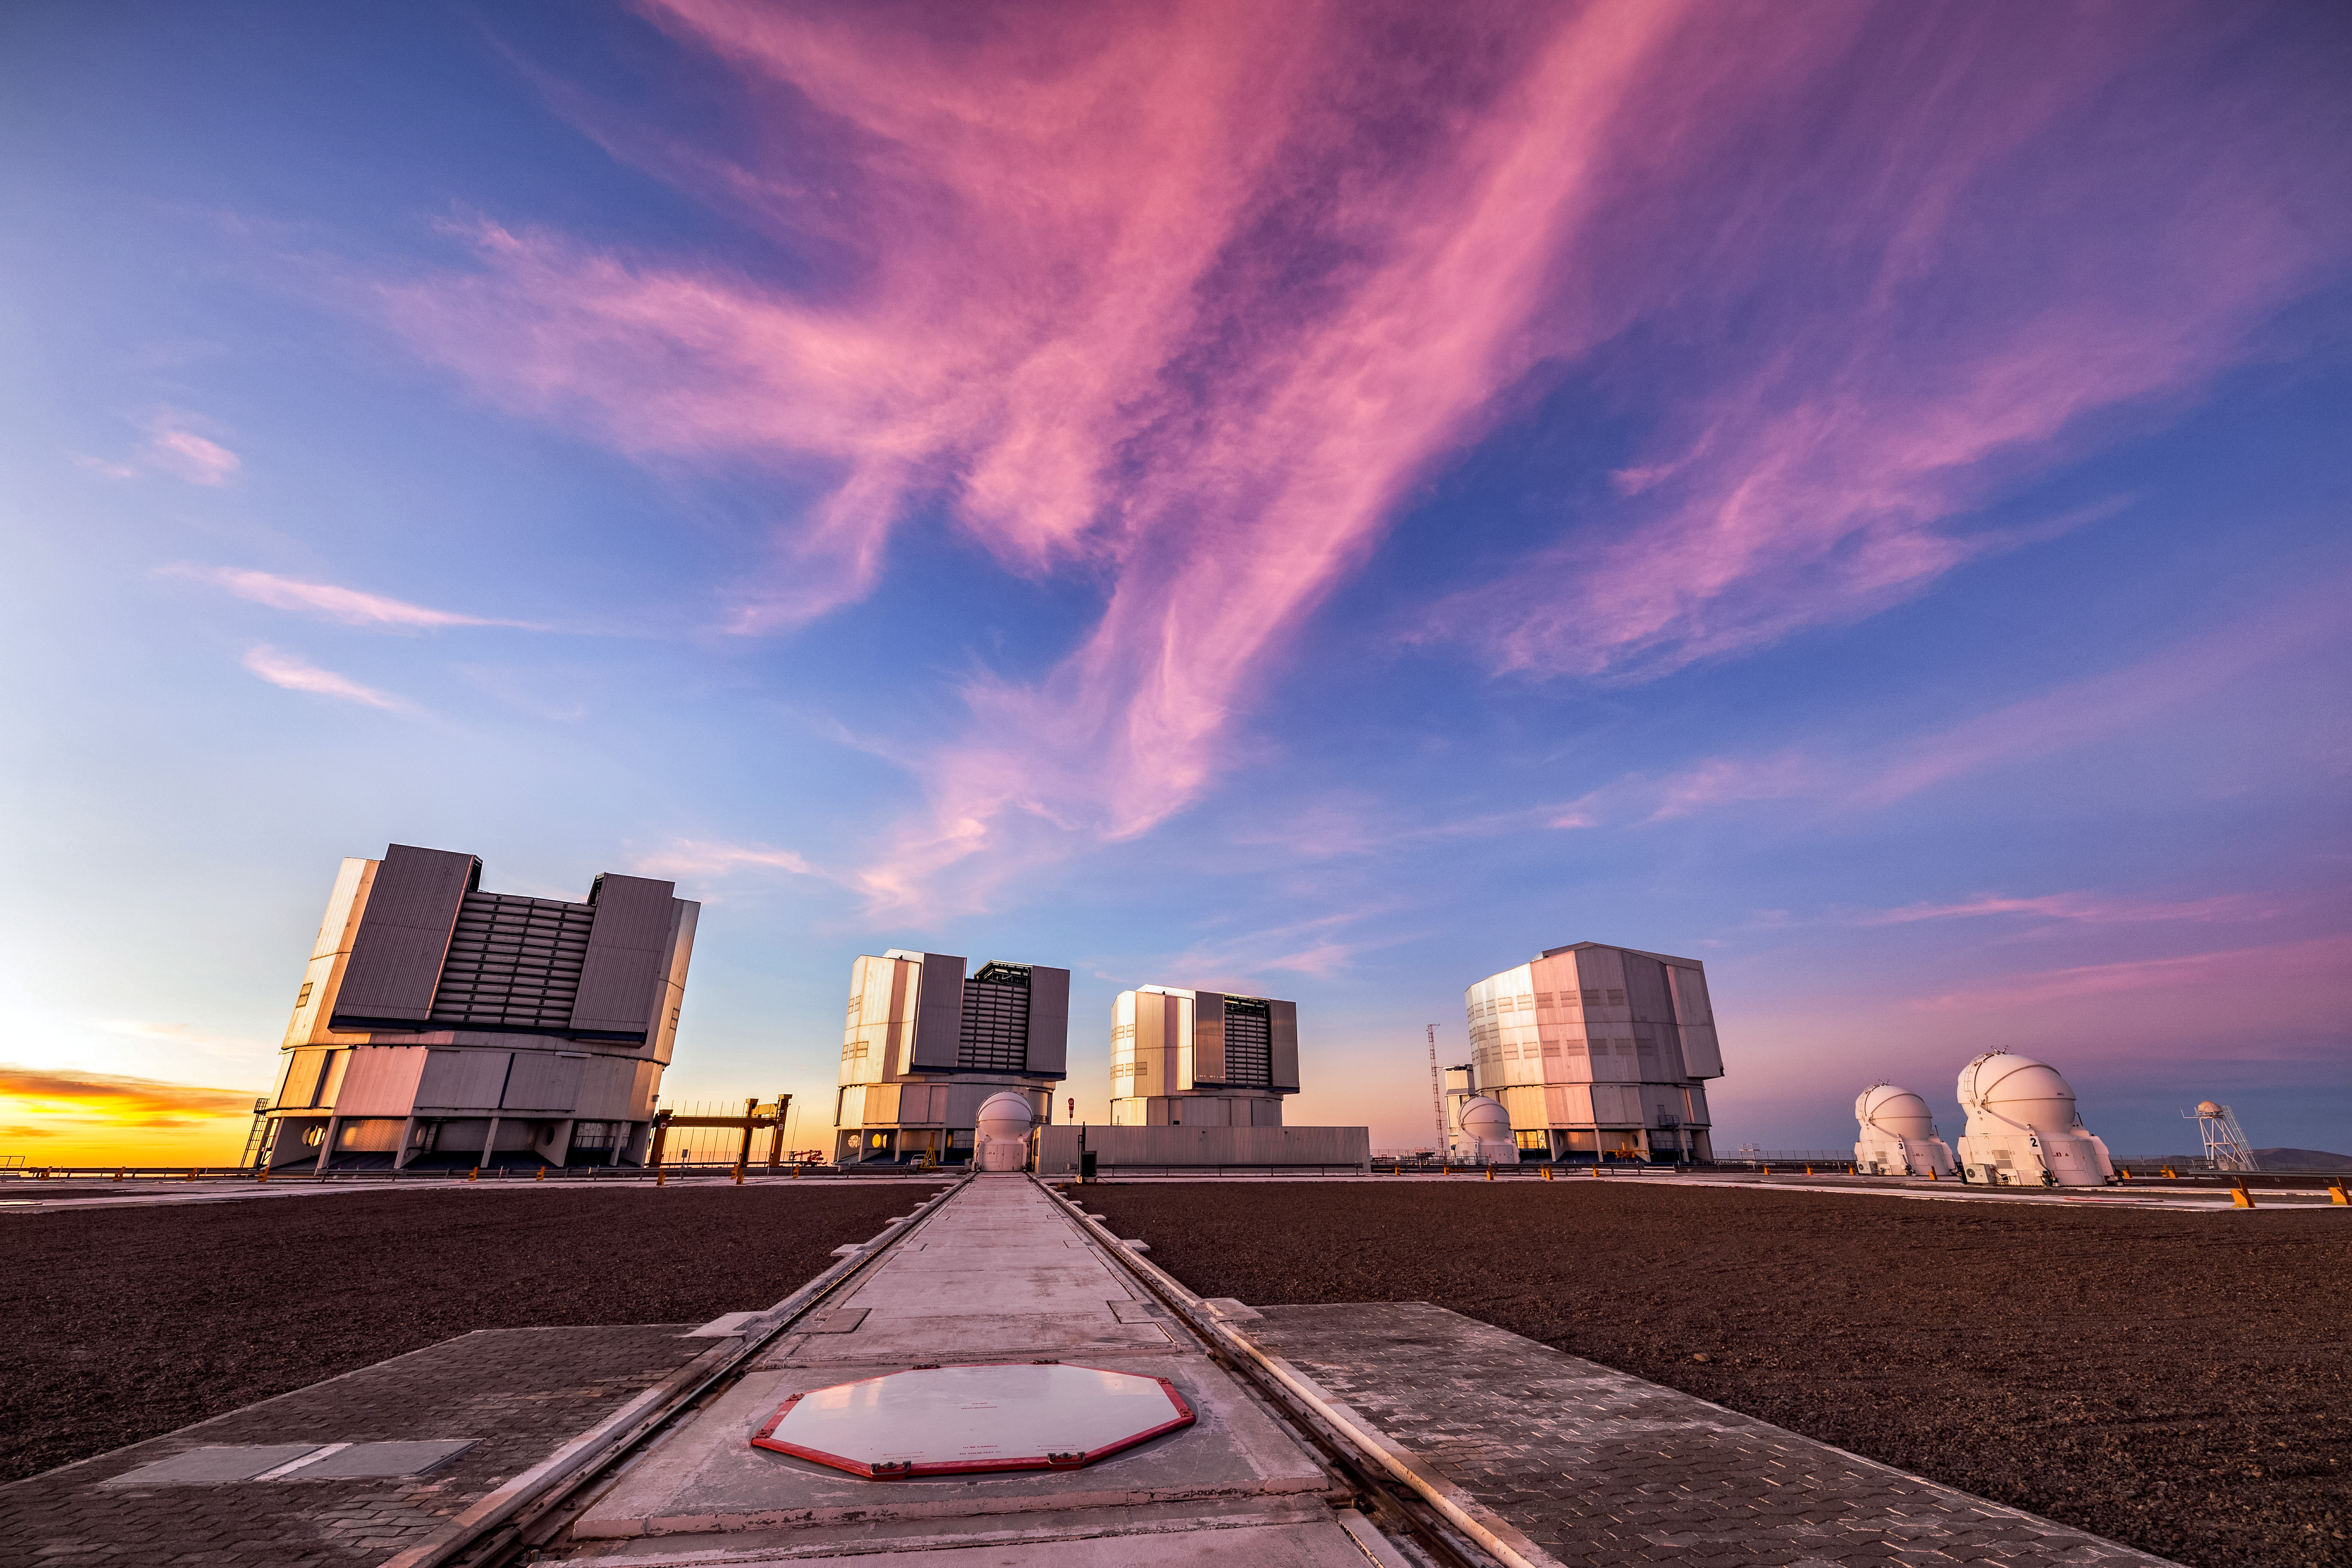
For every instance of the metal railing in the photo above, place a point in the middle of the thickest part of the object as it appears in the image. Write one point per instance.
(578, 1174)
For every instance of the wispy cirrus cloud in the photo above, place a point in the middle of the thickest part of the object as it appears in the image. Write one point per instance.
(1238, 960)
(351, 606)
(175, 446)
(2093, 908)
(1189, 298)
(194, 457)
(2325, 959)
(1837, 774)
(296, 673)
(707, 857)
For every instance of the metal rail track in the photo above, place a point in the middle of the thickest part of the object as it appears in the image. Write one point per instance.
(1391, 1490)
(510, 1525)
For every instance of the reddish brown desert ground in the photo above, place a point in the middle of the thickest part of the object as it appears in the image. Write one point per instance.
(123, 1323)
(2175, 1381)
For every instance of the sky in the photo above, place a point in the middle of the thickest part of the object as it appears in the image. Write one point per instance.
(1316, 501)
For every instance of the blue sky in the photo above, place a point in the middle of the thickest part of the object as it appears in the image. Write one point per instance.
(1285, 503)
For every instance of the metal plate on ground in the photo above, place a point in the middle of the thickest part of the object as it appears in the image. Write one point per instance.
(371, 1462)
(958, 1420)
(203, 1467)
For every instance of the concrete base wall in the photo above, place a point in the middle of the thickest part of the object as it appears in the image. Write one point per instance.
(1058, 1147)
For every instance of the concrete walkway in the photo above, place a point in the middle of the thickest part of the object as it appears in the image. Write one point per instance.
(999, 1271)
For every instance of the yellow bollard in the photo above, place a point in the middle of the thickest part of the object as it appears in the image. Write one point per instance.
(738, 1175)
(475, 1174)
(2336, 1194)
(543, 1174)
(262, 1174)
(1490, 1173)
(2241, 1198)
(796, 1171)
(191, 1173)
(1596, 1170)
(1931, 1173)
(1808, 1170)
(120, 1171)
(661, 1177)
(2169, 1175)
(1546, 1173)
(1446, 1169)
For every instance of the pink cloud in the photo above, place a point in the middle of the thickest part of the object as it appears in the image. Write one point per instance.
(2089, 908)
(349, 606)
(2316, 973)
(1841, 777)
(191, 456)
(1980, 297)
(703, 857)
(173, 446)
(1188, 298)
(298, 674)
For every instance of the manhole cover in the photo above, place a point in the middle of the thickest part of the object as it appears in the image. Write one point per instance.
(950, 1420)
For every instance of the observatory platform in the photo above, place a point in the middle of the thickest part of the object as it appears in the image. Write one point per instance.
(999, 1273)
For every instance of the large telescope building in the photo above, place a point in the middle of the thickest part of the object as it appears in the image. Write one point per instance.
(1596, 1052)
(1201, 1058)
(441, 1026)
(926, 1044)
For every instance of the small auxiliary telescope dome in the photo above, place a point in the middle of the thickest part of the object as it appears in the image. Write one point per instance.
(1486, 1128)
(1002, 1131)
(2208, 1107)
(1897, 1135)
(2023, 1128)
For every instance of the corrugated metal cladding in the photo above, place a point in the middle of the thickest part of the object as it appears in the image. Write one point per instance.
(635, 917)
(1249, 1043)
(994, 1036)
(514, 964)
(1057, 1146)
(404, 932)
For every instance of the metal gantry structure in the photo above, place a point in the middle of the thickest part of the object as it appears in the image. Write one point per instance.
(2225, 1141)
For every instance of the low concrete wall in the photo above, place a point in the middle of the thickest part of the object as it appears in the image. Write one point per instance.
(1261, 1147)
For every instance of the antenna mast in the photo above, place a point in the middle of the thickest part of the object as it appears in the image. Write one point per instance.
(1437, 1092)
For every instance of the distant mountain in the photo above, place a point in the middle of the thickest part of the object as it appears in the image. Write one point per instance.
(2303, 1160)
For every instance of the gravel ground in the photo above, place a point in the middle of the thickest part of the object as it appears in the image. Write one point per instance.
(2175, 1382)
(125, 1323)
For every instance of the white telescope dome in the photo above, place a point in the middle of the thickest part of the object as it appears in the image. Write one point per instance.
(2019, 1089)
(1483, 1118)
(1895, 1110)
(2023, 1127)
(1006, 1115)
(1895, 1136)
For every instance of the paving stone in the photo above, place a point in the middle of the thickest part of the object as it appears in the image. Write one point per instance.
(514, 1394)
(1604, 1469)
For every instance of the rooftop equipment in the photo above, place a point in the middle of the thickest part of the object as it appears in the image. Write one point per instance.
(2024, 1128)
(1897, 1135)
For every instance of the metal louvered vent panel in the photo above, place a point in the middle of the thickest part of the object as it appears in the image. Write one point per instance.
(1249, 1045)
(995, 1033)
(514, 964)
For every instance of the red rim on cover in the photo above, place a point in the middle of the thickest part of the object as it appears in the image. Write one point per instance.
(1181, 1417)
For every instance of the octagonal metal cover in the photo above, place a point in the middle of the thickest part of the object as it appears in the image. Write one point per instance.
(983, 1416)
